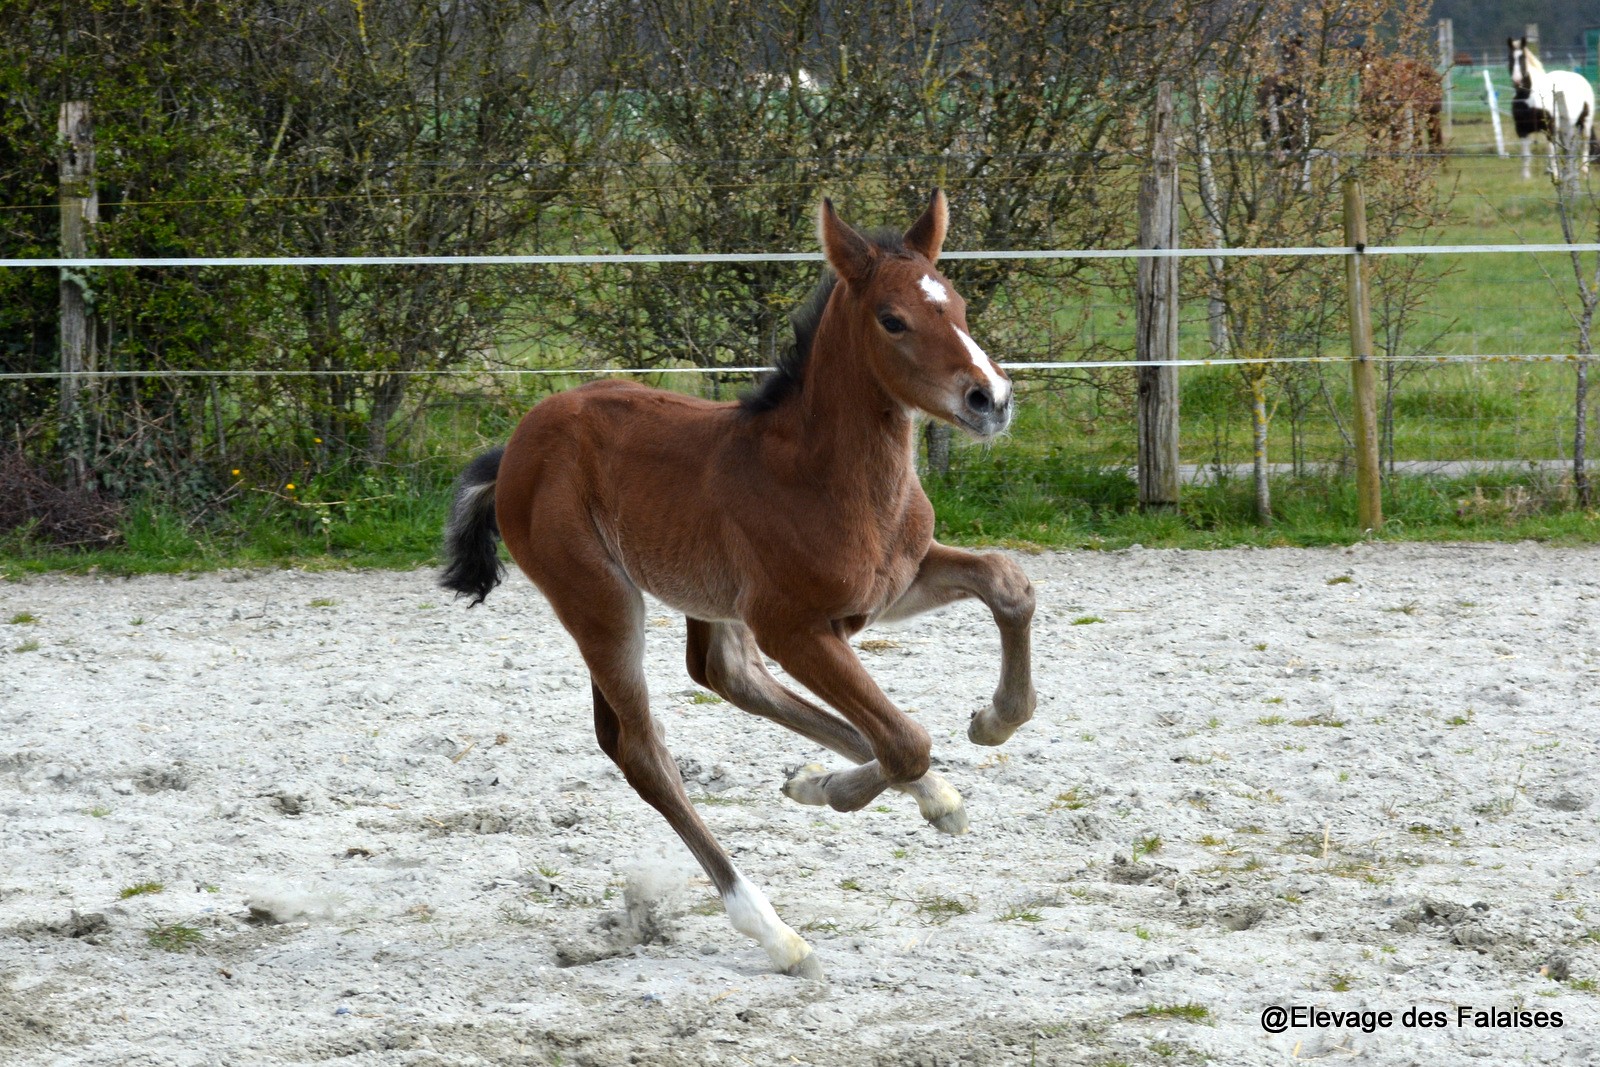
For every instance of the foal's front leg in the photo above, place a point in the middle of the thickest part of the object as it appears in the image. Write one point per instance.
(723, 657)
(822, 660)
(951, 574)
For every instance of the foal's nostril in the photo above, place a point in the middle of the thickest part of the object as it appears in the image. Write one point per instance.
(980, 401)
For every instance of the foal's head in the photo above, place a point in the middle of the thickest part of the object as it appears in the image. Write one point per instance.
(915, 323)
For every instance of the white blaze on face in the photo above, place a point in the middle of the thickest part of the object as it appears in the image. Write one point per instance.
(935, 292)
(980, 359)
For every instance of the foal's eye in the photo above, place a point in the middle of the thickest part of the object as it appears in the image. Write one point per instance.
(892, 324)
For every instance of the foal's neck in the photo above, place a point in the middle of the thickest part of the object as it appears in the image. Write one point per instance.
(857, 434)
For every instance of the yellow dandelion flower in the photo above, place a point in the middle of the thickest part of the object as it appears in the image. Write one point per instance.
(236, 472)
(290, 486)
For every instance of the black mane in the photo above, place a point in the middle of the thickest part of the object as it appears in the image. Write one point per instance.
(786, 380)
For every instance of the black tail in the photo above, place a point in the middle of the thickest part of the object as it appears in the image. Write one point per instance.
(472, 565)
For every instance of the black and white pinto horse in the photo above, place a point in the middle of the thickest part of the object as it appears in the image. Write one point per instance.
(1533, 107)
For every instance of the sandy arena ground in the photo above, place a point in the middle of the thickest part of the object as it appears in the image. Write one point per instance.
(374, 828)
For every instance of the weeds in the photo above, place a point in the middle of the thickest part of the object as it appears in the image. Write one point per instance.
(1320, 719)
(173, 937)
(1188, 1012)
(1072, 800)
(936, 909)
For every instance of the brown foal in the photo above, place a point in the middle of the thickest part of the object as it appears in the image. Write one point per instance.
(780, 525)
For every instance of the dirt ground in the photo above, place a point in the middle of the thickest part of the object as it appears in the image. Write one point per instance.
(283, 817)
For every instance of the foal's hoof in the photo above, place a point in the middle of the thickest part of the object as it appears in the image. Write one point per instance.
(806, 967)
(987, 729)
(940, 804)
(953, 823)
(805, 786)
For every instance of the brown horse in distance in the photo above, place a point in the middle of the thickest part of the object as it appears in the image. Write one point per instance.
(1402, 104)
(781, 525)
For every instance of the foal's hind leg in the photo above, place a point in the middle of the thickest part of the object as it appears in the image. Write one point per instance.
(951, 574)
(607, 621)
(723, 657)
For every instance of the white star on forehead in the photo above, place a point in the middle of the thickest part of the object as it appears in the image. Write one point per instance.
(935, 292)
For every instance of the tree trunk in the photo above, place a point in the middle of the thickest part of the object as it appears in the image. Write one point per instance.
(391, 390)
(1580, 471)
(1258, 430)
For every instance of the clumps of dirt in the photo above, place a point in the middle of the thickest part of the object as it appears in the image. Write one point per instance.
(488, 820)
(24, 1023)
(273, 905)
(1124, 871)
(1464, 924)
(1440, 913)
(653, 901)
(163, 779)
(1564, 800)
(1240, 917)
(89, 927)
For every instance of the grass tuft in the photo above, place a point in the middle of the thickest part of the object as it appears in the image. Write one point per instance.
(173, 937)
(1189, 1012)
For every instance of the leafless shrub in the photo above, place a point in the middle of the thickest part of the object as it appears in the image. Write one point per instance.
(34, 504)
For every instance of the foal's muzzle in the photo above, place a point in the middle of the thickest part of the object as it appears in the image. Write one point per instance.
(982, 415)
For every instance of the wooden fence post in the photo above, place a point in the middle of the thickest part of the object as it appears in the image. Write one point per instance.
(80, 208)
(1156, 300)
(1369, 487)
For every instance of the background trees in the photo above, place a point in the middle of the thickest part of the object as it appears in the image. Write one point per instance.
(321, 127)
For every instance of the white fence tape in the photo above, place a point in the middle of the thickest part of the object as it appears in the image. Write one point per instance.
(773, 257)
(1014, 368)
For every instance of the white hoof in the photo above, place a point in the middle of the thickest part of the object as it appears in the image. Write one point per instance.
(805, 787)
(806, 967)
(940, 804)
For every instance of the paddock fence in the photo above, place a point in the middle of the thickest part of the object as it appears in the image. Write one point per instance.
(1477, 353)
(1493, 430)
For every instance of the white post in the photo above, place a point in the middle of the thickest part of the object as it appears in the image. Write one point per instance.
(1494, 115)
(1447, 63)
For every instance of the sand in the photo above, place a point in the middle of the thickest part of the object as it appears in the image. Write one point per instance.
(372, 827)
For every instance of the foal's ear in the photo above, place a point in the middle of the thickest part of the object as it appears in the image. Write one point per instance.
(926, 235)
(848, 253)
